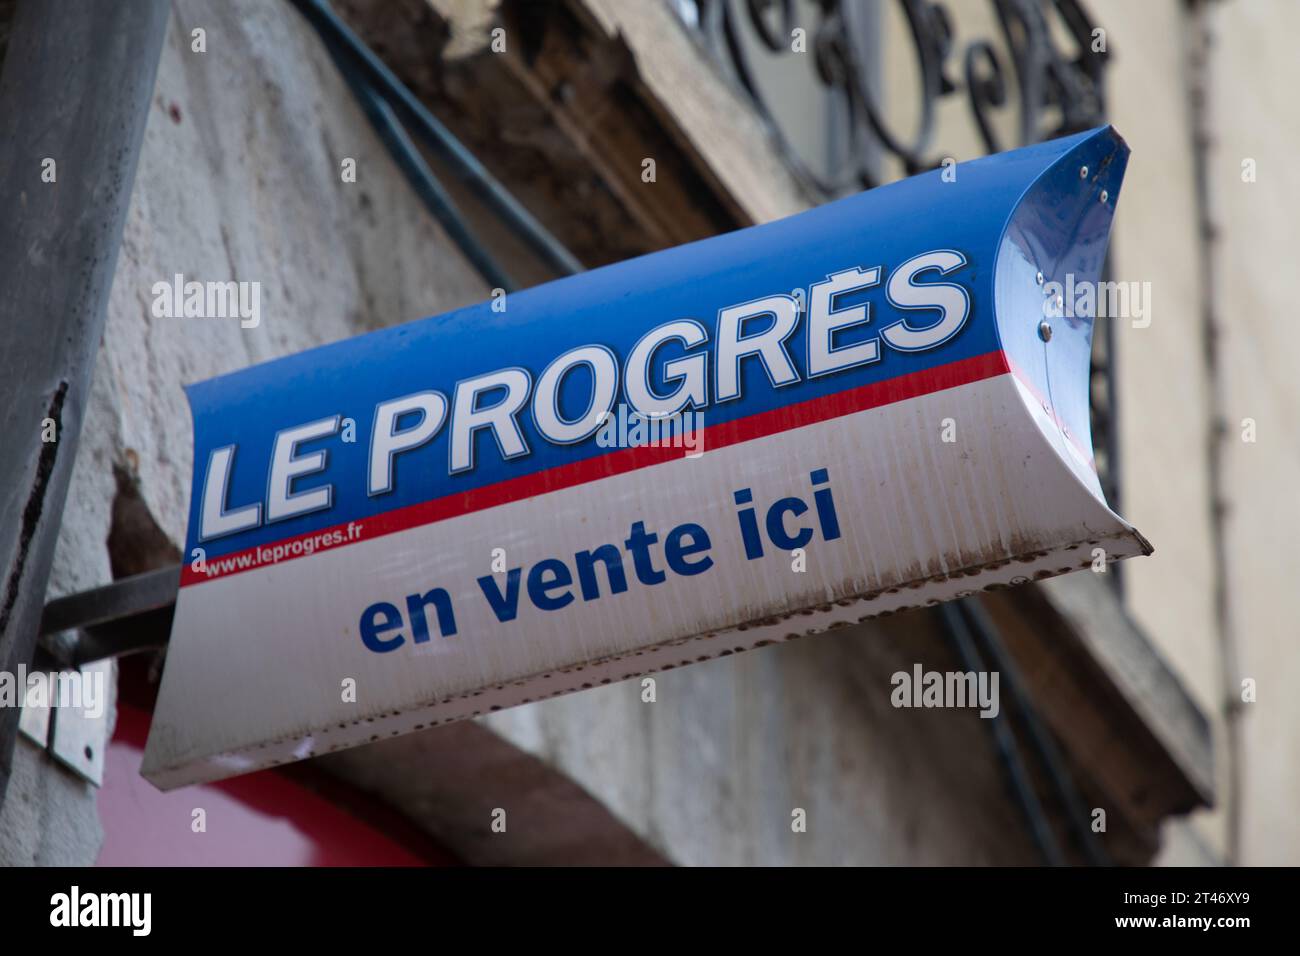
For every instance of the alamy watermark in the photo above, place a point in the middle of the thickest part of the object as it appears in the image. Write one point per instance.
(922, 688)
(84, 691)
(133, 911)
(179, 299)
(1087, 299)
(626, 428)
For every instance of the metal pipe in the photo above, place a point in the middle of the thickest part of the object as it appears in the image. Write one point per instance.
(1076, 812)
(413, 113)
(417, 172)
(1022, 789)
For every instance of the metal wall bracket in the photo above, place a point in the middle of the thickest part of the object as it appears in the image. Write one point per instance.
(71, 722)
(34, 723)
(79, 633)
(127, 616)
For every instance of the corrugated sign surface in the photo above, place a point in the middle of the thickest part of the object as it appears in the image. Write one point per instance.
(738, 441)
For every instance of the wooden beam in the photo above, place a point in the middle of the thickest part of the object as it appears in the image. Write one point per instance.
(567, 113)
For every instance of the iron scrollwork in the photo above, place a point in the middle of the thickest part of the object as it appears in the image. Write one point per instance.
(1058, 93)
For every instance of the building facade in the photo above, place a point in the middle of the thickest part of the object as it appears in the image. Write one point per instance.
(1162, 697)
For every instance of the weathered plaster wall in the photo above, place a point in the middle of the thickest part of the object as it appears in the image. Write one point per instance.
(239, 178)
(1163, 394)
(712, 770)
(1168, 398)
(1253, 115)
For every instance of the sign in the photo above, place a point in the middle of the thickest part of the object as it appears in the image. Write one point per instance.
(799, 426)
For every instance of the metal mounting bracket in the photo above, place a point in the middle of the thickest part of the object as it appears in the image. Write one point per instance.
(130, 615)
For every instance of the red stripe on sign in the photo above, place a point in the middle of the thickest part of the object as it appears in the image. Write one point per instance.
(874, 395)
